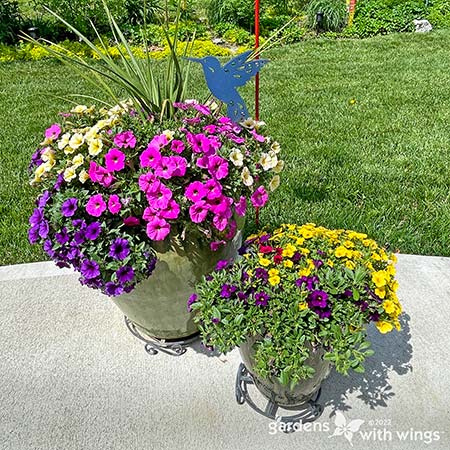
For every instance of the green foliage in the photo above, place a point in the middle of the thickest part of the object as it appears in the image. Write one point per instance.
(238, 12)
(385, 16)
(10, 21)
(334, 14)
(238, 36)
(439, 14)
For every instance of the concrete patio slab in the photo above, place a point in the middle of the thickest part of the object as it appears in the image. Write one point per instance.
(73, 377)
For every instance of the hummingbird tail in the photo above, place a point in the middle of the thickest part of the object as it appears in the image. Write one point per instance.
(236, 109)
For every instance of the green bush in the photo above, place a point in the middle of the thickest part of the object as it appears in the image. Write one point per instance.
(238, 12)
(238, 36)
(334, 14)
(439, 14)
(10, 21)
(385, 16)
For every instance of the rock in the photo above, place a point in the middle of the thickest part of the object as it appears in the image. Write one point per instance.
(422, 26)
(217, 41)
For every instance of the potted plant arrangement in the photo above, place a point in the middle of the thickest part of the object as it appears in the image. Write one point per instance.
(297, 302)
(142, 197)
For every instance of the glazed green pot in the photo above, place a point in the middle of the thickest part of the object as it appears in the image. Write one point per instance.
(282, 395)
(157, 306)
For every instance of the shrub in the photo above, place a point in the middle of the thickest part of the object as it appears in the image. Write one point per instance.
(10, 21)
(238, 36)
(439, 14)
(385, 16)
(334, 14)
(238, 12)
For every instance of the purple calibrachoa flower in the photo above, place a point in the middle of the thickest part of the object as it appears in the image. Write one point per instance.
(69, 207)
(113, 289)
(62, 237)
(119, 249)
(261, 299)
(261, 273)
(222, 264)
(191, 301)
(227, 290)
(125, 274)
(318, 299)
(93, 231)
(90, 269)
(215, 320)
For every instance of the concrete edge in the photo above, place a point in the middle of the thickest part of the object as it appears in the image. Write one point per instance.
(47, 269)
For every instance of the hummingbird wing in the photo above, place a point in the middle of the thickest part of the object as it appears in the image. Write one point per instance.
(242, 70)
(236, 109)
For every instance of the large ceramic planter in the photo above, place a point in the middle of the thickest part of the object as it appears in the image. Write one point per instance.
(157, 306)
(281, 395)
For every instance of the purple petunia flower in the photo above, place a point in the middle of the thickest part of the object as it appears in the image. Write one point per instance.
(222, 264)
(261, 274)
(318, 263)
(79, 223)
(59, 182)
(113, 289)
(44, 229)
(191, 301)
(215, 320)
(324, 313)
(62, 237)
(36, 217)
(318, 299)
(79, 237)
(119, 249)
(151, 266)
(93, 230)
(261, 299)
(265, 238)
(33, 234)
(227, 290)
(125, 274)
(90, 269)
(297, 257)
(309, 282)
(48, 248)
(375, 317)
(69, 207)
(43, 199)
(243, 296)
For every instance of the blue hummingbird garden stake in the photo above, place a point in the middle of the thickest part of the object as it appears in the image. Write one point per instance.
(223, 81)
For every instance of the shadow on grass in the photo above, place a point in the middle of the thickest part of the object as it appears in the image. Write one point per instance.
(393, 354)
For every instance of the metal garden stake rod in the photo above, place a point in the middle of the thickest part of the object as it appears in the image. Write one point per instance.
(257, 81)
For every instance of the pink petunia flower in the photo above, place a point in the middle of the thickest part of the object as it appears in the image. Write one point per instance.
(99, 174)
(210, 129)
(220, 221)
(158, 229)
(198, 211)
(231, 230)
(172, 211)
(203, 109)
(257, 136)
(149, 214)
(259, 197)
(215, 245)
(114, 205)
(177, 146)
(199, 143)
(180, 165)
(218, 167)
(146, 180)
(241, 206)
(159, 195)
(96, 205)
(159, 141)
(236, 139)
(221, 205)
(166, 168)
(202, 162)
(150, 157)
(195, 191)
(131, 221)
(114, 160)
(126, 139)
(213, 189)
(53, 132)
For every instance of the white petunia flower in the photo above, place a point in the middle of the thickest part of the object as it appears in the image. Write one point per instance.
(276, 147)
(80, 109)
(95, 147)
(237, 158)
(246, 177)
(76, 141)
(274, 183)
(279, 167)
(266, 161)
(64, 141)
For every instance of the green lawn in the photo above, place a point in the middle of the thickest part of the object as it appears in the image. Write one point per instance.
(381, 165)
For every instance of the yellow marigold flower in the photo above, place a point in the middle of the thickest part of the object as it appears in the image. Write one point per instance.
(273, 272)
(83, 176)
(69, 174)
(289, 250)
(264, 262)
(350, 265)
(379, 278)
(95, 147)
(389, 306)
(78, 160)
(288, 263)
(381, 292)
(303, 305)
(274, 280)
(384, 327)
(341, 252)
(76, 141)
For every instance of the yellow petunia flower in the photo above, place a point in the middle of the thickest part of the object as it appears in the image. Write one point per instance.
(381, 292)
(340, 252)
(288, 263)
(83, 176)
(273, 272)
(350, 265)
(264, 262)
(379, 278)
(384, 327)
(274, 280)
(289, 250)
(69, 174)
(78, 160)
(76, 141)
(303, 305)
(389, 306)
(305, 272)
(95, 147)
(330, 263)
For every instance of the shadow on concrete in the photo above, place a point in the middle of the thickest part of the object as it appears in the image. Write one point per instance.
(393, 353)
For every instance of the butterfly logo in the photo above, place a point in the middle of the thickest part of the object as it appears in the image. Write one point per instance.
(346, 429)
